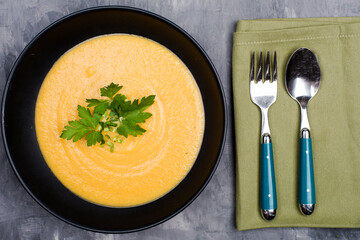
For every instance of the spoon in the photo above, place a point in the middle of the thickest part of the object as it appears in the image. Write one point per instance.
(302, 83)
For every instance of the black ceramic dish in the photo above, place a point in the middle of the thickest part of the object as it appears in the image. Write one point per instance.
(18, 120)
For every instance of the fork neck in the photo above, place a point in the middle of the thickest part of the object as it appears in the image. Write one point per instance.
(265, 128)
(304, 124)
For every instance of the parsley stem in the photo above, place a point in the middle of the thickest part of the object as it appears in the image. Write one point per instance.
(111, 146)
(105, 116)
(98, 128)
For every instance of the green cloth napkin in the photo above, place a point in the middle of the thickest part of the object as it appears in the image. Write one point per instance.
(334, 115)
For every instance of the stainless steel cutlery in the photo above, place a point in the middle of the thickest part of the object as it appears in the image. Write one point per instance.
(263, 91)
(302, 83)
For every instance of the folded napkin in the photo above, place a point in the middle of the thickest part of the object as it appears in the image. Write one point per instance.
(334, 115)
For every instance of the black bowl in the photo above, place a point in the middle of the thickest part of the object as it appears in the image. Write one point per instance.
(18, 117)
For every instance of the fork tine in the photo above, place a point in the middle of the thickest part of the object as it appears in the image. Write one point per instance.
(252, 67)
(267, 67)
(275, 68)
(260, 67)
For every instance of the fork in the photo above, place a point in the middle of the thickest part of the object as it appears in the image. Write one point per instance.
(263, 93)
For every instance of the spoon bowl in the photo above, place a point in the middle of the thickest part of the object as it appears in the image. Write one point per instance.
(302, 75)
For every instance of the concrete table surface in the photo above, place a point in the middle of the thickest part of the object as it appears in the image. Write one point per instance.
(211, 23)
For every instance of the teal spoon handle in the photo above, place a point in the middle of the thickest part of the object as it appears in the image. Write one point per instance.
(306, 177)
(268, 200)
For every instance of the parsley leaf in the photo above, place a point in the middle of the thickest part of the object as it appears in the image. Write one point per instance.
(93, 137)
(84, 127)
(100, 105)
(130, 114)
(129, 128)
(86, 118)
(75, 130)
(110, 90)
(94, 102)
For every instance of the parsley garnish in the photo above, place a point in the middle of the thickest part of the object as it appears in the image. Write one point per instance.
(116, 114)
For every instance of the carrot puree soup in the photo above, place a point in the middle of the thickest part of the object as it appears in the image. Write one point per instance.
(140, 169)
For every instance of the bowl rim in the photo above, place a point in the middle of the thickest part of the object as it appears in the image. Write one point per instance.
(92, 9)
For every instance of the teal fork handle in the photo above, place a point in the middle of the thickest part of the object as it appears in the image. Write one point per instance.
(306, 177)
(268, 200)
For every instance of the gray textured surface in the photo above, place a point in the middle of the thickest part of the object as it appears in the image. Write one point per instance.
(211, 23)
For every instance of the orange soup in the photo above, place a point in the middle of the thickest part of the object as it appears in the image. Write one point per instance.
(143, 168)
